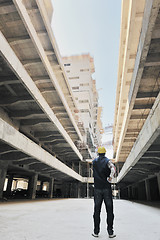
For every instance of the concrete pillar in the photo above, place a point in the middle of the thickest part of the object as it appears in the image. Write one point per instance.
(80, 168)
(41, 186)
(117, 167)
(119, 194)
(79, 190)
(158, 180)
(87, 190)
(3, 172)
(9, 185)
(147, 187)
(73, 166)
(129, 192)
(88, 170)
(32, 186)
(51, 182)
(76, 186)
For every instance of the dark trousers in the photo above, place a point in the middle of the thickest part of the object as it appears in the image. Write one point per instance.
(99, 196)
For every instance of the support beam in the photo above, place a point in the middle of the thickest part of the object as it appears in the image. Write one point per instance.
(9, 82)
(17, 140)
(142, 106)
(6, 149)
(29, 62)
(7, 7)
(4, 102)
(30, 122)
(23, 114)
(147, 95)
(46, 133)
(19, 40)
(139, 116)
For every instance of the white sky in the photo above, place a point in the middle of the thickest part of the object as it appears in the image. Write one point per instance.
(92, 26)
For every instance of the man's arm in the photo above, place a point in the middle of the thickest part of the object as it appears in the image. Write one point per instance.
(113, 170)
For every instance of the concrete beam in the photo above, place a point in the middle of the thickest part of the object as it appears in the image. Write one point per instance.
(147, 94)
(46, 133)
(149, 132)
(17, 140)
(22, 114)
(36, 41)
(30, 62)
(142, 106)
(22, 74)
(9, 82)
(30, 122)
(7, 7)
(4, 102)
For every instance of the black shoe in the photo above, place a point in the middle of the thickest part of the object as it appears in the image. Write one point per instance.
(112, 235)
(95, 234)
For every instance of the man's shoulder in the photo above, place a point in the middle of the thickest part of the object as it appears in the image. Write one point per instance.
(106, 159)
(95, 160)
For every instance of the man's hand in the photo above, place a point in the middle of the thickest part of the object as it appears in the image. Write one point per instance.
(109, 179)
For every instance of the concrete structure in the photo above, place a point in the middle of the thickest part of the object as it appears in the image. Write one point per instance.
(79, 70)
(38, 126)
(71, 219)
(137, 118)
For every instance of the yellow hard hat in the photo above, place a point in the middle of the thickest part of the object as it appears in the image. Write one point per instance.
(101, 150)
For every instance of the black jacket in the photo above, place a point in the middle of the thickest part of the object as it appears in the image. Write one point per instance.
(101, 172)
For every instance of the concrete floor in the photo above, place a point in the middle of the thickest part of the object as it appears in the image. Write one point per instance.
(71, 219)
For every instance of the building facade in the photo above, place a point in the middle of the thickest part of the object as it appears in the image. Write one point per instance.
(79, 70)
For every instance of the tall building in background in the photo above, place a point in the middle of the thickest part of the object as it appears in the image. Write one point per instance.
(79, 70)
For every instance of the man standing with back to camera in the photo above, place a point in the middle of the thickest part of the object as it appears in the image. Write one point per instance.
(103, 173)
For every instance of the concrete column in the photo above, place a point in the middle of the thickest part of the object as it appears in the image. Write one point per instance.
(3, 172)
(80, 168)
(79, 190)
(148, 193)
(119, 194)
(9, 185)
(41, 186)
(73, 166)
(117, 167)
(158, 180)
(32, 186)
(87, 190)
(88, 170)
(51, 182)
(129, 193)
(76, 186)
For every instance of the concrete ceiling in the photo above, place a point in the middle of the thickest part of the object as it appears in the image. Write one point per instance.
(35, 97)
(138, 152)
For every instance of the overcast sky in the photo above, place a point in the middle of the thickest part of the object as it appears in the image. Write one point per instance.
(92, 26)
